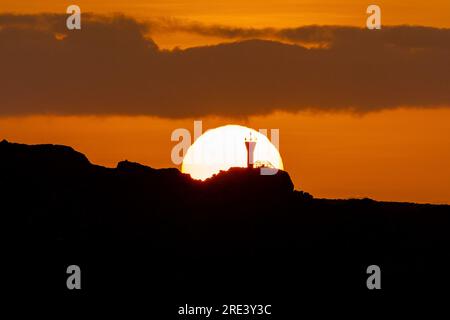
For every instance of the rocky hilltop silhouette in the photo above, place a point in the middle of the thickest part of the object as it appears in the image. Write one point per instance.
(134, 227)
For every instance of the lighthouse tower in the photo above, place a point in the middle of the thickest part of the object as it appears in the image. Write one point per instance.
(250, 144)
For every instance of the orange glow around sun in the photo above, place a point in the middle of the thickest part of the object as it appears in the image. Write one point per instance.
(224, 147)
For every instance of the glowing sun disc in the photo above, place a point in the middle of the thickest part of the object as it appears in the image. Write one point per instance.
(224, 147)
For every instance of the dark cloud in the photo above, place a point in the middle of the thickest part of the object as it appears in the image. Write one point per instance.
(112, 67)
(171, 25)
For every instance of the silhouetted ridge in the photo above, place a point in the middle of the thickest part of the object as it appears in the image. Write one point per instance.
(45, 156)
(146, 226)
(250, 183)
(57, 158)
(133, 167)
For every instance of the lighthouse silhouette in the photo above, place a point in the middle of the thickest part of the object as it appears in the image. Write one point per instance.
(250, 144)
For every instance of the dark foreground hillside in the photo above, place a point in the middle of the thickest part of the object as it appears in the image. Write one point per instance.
(239, 237)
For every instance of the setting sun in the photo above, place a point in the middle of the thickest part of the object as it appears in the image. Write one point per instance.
(224, 147)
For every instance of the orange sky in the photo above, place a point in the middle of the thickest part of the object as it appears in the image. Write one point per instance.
(250, 13)
(256, 13)
(398, 155)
